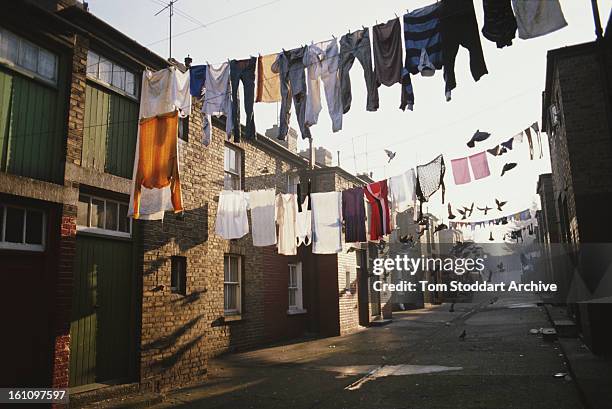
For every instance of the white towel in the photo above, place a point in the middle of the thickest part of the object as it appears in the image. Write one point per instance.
(261, 203)
(232, 221)
(326, 222)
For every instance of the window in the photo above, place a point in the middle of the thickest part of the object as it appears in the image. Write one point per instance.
(21, 53)
(232, 167)
(111, 74)
(292, 183)
(99, 215)
(183, 128)
(295, 288)
(178, 276)
(22, 228)
(231, 284)
(347, 281)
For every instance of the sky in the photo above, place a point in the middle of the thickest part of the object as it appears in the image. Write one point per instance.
(503, 103)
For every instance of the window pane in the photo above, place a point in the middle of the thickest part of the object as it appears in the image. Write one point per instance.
(233, 273)
(9, 46)
(226, 158)
(83, 211)
(118, 77)
(111, 216)
(226, 268)
(34, 227)
(46, 64)
(124, 220)
(292, 298)
(28, 56)
(97, 213)
(228, 184)
(106, 70)
(129, 83)
(93, 60)
(14, 225)
(235, 182)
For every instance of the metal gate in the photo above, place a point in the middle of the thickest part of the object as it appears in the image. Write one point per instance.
(102, 327)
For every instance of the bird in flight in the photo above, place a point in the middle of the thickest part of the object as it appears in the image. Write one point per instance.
(507, 167)
(484, 209)
(478, 137)
(390, 154)
(500, 204)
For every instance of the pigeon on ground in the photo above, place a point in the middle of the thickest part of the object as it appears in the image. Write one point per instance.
(500, 204)
(407, 239)
(390, 154)
(484, 209)
(463, 335)
(507, 167)
(491, 236)
(478, 137)
(451, 216)
(452, 308)
(381, 245)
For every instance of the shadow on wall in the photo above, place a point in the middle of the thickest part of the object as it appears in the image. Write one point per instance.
(187, 230)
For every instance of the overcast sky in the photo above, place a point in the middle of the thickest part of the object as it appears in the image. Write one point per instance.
(503, 102)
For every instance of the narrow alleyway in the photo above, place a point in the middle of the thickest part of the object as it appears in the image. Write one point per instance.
(419, 360)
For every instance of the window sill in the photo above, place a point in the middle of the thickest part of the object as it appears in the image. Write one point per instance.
(296, 311)
(232, 317)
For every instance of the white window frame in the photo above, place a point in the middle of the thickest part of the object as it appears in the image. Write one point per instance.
(4, 245)
(14, 65)
(298, 307)
(114, 67)
(236, 284)
(227, 171)
(99, 230)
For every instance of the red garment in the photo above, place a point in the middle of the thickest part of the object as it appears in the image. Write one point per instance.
(377, 195)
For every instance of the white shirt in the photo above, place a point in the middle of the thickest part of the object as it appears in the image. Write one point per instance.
(326, 222)
(262, 205)
(165, 91)
(232, 221)
(286, 209)
(402, 191)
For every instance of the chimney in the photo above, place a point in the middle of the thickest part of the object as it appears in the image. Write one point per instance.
(290, 141)
(323, 157)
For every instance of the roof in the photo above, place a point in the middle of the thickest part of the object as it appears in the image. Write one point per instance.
(112, 38)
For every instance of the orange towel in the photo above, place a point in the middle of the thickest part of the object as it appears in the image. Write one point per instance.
(157, 159)
(268, 82)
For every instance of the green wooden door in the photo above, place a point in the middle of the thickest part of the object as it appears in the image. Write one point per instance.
(102, 328)
(109, 137)
(31, 127)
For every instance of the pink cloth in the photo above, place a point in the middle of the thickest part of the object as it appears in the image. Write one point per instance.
(480, 165)
(461, 171)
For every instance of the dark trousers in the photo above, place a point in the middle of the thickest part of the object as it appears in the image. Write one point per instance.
(459, 27)
(292, 86)
(243, 70)
(357, 45)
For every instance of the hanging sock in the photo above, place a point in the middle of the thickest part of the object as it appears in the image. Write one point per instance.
(536, 128)
(530, 142)
(477, 137)
(451, 216)
(507, 167)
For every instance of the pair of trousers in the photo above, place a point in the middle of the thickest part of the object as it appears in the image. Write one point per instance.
(243, 70)
(322, 62)
(290, 67)
(357, 45)
(459, 27)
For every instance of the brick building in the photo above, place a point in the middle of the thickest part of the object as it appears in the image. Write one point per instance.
(577, 117)
(117, 301)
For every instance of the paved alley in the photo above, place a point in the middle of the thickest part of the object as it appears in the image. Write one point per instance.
(417, 361)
